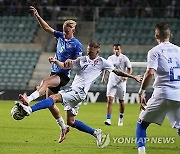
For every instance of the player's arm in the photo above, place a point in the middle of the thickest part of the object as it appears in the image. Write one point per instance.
(64, 65)
(148, 76)
(138, 78)
(103, 76)
(129, 71)
(43, 24)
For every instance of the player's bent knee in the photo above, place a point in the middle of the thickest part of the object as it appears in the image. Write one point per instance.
(45, 81)
(56, 98)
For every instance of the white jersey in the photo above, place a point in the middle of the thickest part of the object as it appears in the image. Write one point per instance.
(165, 59)
(88, 71)
(120, 62)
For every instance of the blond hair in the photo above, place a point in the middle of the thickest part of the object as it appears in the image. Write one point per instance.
(70, 23)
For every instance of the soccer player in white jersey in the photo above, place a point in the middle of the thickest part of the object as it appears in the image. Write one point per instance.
(164, 64)
(116, 84)
(89, 68)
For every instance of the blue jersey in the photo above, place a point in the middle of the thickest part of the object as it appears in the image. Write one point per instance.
(66, 49)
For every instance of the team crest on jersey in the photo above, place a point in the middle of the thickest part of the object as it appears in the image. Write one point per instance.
(69, 46)
(95, 62)
(120, 60)
(85, 61)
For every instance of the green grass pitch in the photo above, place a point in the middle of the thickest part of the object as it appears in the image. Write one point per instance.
(38, 134)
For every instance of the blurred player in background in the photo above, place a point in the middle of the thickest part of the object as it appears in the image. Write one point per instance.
(116, 84)
(164, 64)
(89, 68)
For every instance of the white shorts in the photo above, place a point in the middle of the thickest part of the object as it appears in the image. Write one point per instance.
(158, 108)
(116, 90)
(72, 100)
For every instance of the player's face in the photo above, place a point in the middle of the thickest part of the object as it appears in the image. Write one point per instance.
(68, 32)
(92, 52)
(117, 50)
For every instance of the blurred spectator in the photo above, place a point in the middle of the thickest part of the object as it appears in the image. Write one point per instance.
(125, 8)
(170, 9)
(148, 10)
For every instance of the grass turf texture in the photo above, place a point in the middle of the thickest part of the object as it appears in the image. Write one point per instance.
(39, 132)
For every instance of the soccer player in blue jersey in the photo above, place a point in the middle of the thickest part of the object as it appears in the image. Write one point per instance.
(163, 63)
(68, 47)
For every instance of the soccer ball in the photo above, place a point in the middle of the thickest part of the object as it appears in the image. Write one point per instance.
(16, 113)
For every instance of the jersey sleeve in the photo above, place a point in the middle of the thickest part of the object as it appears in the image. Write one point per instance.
(78, 50)
(76, 63)
(58, 34)
(107, 65)
(152, 59)
(128, 63)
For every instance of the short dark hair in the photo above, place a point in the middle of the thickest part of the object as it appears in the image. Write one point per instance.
(164, 30)
(116, 45)
(94, 45)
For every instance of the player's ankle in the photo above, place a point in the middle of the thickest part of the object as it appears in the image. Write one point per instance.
(178, 131)
(141, 150)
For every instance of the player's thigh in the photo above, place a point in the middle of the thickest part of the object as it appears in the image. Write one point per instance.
(155, 111)
(71, 100)
(121, 91)
(173, 113)
(111, 90)
(56, 97)
(53, 81)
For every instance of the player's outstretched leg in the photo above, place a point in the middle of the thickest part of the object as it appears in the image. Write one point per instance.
(141, 136)
(46, 103)
(97, 133)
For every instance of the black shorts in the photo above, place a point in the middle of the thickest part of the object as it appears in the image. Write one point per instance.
(64, 80)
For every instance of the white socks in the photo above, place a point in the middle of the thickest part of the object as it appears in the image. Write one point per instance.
(141, 150)
(61, 123)
(33, 96)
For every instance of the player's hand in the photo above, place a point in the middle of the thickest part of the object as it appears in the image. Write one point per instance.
(68, 63)
(52, 59)
(34, 10)
(138, 78)
(142, 102)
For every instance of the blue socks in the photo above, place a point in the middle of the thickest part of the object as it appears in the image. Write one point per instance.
(46, 103)
(121, 115)
(108, 116)
(141, 134)
(83, 127)
(178, 132)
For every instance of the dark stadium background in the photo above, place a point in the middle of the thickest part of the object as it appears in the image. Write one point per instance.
(24, 47)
